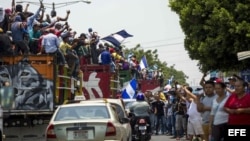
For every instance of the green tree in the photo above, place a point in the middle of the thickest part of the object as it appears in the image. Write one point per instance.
(215, 31)
(152, 59)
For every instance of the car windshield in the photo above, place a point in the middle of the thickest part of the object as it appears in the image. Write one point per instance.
(119, 110)
(128, 104)
(82, 112)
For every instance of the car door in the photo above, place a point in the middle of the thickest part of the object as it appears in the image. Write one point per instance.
(121, 114)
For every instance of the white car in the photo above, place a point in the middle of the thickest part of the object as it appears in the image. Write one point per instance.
(86, 121)
(120, 109)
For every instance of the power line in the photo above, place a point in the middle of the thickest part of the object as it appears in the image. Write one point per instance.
(162, 40)
(163, 45)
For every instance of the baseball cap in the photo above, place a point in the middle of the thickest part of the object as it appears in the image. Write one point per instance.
(232, 78)
(65, 35)
(8, 11)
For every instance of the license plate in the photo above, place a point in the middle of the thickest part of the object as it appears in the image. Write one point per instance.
(142, 127)
(80, 134)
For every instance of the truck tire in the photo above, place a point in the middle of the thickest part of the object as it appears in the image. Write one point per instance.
(1, 136)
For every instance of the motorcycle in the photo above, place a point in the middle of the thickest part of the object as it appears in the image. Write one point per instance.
(140, 129)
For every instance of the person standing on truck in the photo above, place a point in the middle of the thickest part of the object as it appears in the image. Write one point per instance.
(18, 30)
(106, 59)
(50, 45)
(82, 49)
(134, 64)
(70, 54)
(6, 45)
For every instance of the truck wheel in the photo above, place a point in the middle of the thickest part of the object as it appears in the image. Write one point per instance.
(1, 136)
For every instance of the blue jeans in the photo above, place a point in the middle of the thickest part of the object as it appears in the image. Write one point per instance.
(160, 123)
(152, 120)
(169, 124)
(173, 125)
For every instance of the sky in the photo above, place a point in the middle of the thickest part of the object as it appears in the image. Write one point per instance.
(151, 22)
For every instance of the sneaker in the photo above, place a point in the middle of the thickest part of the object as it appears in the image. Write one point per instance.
(169, 134)
(173, 137)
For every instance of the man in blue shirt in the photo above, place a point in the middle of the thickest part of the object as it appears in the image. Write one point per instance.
(50, 44)
(105, 57)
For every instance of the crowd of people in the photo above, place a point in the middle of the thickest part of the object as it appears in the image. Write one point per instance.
(203, 115)
(35, 33)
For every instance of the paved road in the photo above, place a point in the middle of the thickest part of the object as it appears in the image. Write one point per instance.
(164, 138)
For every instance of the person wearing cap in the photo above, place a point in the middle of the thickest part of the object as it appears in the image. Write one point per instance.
(59, 28)
(95, 38)
(231, 86)
(82, 49)
(70, 54)
(50, 44)
(158, 108)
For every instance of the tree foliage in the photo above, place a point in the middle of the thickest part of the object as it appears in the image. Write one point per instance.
(153, 60)
(215, 31)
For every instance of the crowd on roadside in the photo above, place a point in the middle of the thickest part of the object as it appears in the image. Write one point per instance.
(203, 115)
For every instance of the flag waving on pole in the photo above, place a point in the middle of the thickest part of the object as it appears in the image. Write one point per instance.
(130, 90)
(117, 38)
(170, 80)
(143, 63)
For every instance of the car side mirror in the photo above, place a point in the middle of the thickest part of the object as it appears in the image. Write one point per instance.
(124, 120)
(130, 115)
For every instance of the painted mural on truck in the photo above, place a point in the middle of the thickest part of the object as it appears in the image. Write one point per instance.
(28, 89)
(96, 85)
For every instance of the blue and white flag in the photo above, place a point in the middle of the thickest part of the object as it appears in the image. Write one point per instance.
(170, 80)
(117, 38)
(143, 63)
(130, 90)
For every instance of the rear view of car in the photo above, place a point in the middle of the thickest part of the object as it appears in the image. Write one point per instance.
(88, 122)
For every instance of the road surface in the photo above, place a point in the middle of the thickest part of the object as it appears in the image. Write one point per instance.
(164, 138)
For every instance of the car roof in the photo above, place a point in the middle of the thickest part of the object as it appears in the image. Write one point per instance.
(129, 100)
(103, 100)
(83, 104)
(106, 100)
